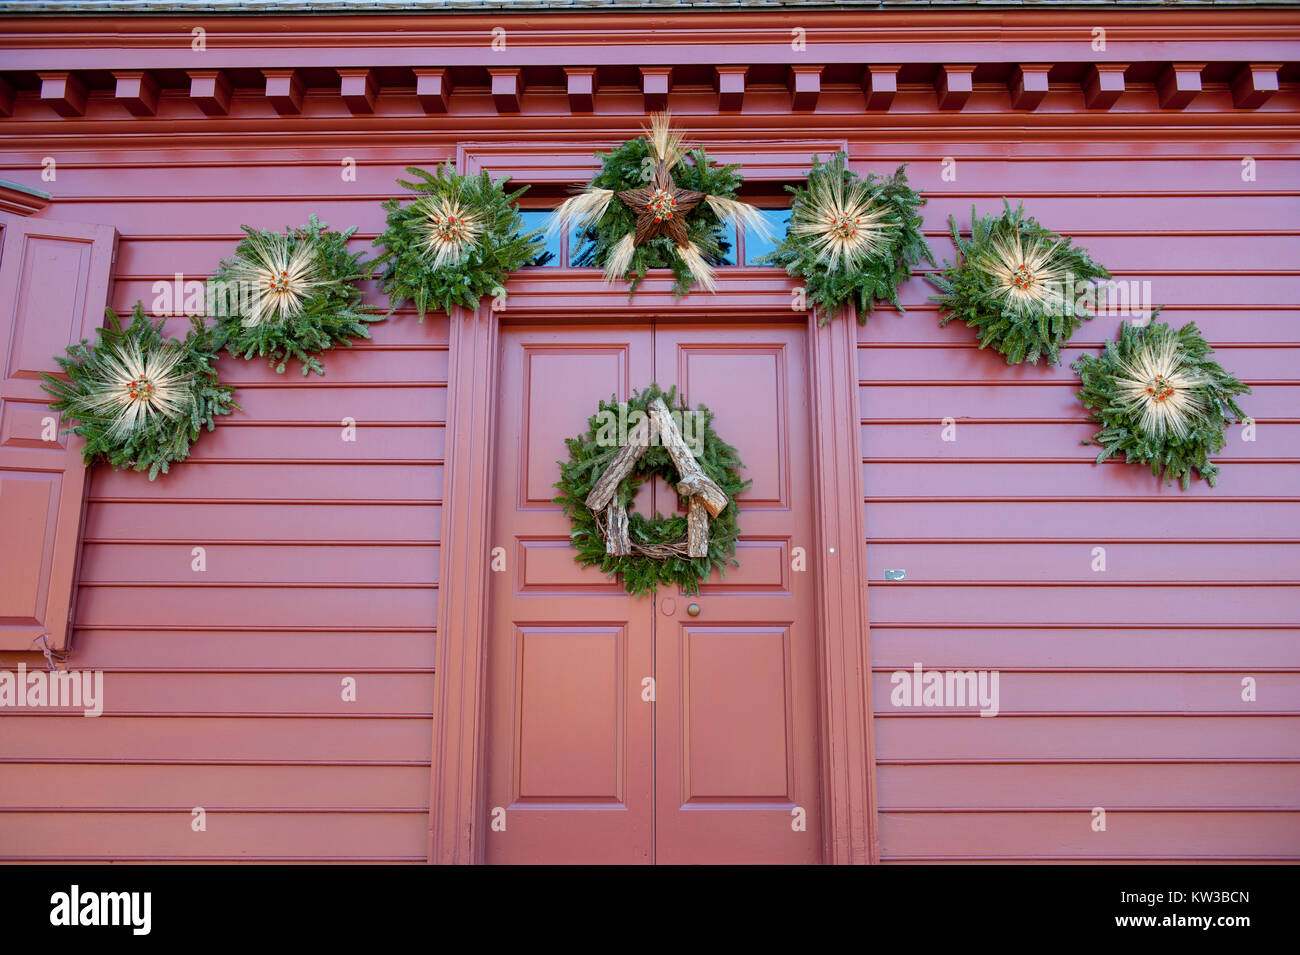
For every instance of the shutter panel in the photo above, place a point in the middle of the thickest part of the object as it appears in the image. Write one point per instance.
(54, 283)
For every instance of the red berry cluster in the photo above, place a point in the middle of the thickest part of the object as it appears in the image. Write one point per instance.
(662, 205)
(1023, 278)
(1160, 389)
(845, 226)
(140, 389)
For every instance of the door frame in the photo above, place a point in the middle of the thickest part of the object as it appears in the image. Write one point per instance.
(457, 800)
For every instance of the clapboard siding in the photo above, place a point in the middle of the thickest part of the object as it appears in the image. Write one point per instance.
(1120, 689)
(224, 688)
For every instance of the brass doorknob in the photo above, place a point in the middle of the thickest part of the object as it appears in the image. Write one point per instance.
(693, 610)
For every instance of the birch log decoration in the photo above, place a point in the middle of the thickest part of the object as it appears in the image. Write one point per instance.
(597, 483)
(697, 528)
(692, 475)
(617, 539)
(638, 439)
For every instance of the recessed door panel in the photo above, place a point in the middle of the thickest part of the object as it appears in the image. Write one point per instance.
(569, 739)
(736, 719)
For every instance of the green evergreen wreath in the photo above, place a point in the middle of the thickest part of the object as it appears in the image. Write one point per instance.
(291, 295)
(1160, 400)
(630, 167)
(852, 239)
(659, 557)
(456, 242)
(1014, 282)
(139, 400)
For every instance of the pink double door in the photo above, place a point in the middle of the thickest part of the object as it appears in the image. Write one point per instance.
(626, 729)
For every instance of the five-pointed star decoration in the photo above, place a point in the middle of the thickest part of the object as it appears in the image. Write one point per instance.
(661, 208)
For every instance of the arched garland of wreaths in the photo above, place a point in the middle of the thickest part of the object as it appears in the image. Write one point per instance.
(624, 444)
(140, 399)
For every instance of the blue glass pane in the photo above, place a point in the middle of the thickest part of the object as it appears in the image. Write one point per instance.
(728, 245)
(535, 219)
(756, 246)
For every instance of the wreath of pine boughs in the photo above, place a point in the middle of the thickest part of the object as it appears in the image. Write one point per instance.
(630, 167)
(1012, 283)
(591, 451)
(452, 273)
(832, 279)
(179, 385)
(1120, 383)
(321, 307)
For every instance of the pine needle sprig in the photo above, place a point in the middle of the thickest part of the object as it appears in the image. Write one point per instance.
(457, 242)
(138, 399)
(291, 295)
(850, 239)
(1160, 400)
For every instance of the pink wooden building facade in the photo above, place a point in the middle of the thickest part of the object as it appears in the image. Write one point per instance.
(1166, 144)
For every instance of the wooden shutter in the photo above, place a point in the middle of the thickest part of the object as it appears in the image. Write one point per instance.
(54, 282)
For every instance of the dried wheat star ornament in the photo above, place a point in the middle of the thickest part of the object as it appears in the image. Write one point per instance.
(662, 209)
(276, 278)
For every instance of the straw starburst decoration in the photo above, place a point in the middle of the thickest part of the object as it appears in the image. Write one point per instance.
(131, 386)
(292, 294)
(851, 240)
(669, 212)
(448, 228)
(843, 225)
(138, 399)
(276, 278)
(1155, 382)
(1018, 284)
(1160, 399)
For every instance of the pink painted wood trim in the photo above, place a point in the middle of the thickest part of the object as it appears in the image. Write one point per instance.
(210, 91)
(359, 90)
(848, 742)
(1255, 85)
(1028, 85)
(138, 91)
(21, 200)
(954, 85)
(1178, 85)
(1104, 85)
(656, 84)
(6, 98)
(805, 85)
(456, 810)
(432, 87)
(285, 90)
(64, 92)
(582, 84)
(507, 85)
(730, 83)
(880, 84)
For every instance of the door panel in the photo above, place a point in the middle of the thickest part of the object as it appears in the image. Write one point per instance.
(570, 741)
(713, 769)
(736, 716)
